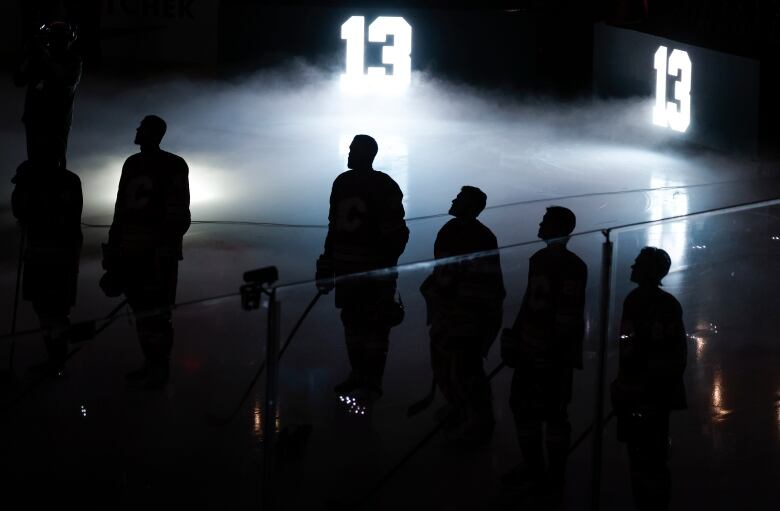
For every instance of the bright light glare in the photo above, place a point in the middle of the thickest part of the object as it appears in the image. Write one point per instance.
(700, 343)
(680, 118)
(670, 236)
(352, 30)
(398, 55)
(659, 110)
(204, 185)
(719, 410)
(668, 113)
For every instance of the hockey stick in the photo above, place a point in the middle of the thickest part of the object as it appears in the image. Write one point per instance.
(85, 330)
(224, 420)
(19, 265)
(427, 438)
(398, 466)
(588, 430)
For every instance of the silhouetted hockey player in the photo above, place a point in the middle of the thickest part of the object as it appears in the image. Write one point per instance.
(545, 346)
(465, 308)
(366, 231)
(144, 246)
(649, 385)
(47, 201)
(51, 73)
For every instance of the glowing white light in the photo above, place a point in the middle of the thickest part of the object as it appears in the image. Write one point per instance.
(670, 236)
(257, 419)
(353, 31)
(719, 410)
(699, 342)
(680, 65)
(669, 113)
(659, 110)
(398, 55)
(717, 392)
(205, 183)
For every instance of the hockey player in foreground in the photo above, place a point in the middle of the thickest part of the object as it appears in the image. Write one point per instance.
(144, 246)
(366, 231)
(465, 308)
(545, 346)
(650, 384)
(47, 201)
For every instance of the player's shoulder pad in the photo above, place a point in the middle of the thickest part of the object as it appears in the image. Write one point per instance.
(670, 302)
(385, 177)
(133, 157)
(174, 158)
(72, 178)
(577, 262)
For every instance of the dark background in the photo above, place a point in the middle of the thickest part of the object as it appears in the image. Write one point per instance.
(531, 46)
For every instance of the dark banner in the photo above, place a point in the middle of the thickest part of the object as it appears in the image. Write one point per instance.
(706, 97)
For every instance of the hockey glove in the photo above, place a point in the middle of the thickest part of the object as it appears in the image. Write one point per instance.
(325, 275)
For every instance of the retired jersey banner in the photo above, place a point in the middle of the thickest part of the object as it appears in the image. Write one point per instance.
(703, 96)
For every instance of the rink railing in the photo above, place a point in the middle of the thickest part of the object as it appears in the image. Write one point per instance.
(263, 292)
(272, 345)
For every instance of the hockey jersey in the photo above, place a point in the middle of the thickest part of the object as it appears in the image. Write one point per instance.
(48, 204)
(653, 350)
(366, 227)
(152, 211)
(465, 297)
(551, 321)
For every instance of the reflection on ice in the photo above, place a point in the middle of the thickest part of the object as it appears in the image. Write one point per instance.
(672, 236)
(719, 411)
(699, 344)
(777, 409)
(257, 419)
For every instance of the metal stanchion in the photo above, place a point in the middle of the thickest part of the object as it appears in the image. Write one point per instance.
(19, 266)
(258, 283)
(598, 421)
(270, 499)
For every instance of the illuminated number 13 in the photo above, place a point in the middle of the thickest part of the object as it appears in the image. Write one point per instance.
(667, 114)
(398, 54)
